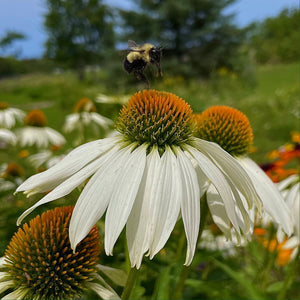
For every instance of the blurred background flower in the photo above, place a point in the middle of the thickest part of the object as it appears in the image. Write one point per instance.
(36, 133)
(9, 116)
(7, 138)
(86, 122)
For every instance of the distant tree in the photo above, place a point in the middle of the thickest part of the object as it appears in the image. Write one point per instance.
(9, 39)
(197, 34)
(80, 32)
(276, 39)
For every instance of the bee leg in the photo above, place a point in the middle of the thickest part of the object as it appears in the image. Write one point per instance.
(159, 69)
(142, 77)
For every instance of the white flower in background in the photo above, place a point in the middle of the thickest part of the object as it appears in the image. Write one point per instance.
(212, 242)
(7, 138)
(9, 116)
(146, 176)
(11, 175)
(51, 270)
(231, 129)
(102, 98)
(47, 158)
(36, 133)
(85, 118)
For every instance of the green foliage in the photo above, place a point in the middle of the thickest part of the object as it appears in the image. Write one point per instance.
(276, 40)
(10, 37)
(10, 66)
(196, 35)
(79, 32)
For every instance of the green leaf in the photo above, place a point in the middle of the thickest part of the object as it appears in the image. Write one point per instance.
(162, 284)
(119, 277)
(274, 287)
(250, 291)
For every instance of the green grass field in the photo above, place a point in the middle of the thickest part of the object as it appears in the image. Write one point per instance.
(271, 104)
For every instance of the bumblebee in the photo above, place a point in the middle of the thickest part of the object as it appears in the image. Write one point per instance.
(139, 57)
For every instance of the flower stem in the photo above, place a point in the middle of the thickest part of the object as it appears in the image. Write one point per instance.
(288, 280)
(129, 284)
(185, 271)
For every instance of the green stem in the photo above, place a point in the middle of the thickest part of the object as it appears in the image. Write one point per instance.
(181, 245)
(129, 284)
(288, 280)
(269, 257)
(184, 274)
(185, 271)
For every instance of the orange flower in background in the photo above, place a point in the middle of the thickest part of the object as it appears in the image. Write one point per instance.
(23, 153)
(283, 253)
(279, 169)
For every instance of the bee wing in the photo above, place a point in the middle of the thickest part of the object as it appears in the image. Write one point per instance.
(132, 44)
(134, 47)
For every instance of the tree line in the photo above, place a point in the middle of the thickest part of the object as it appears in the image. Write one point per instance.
(197, 37)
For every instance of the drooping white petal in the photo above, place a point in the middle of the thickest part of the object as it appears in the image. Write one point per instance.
(7, 136)
(36, 160)
(283, 184)
(95, 197)
(118, 276)
(54, 137)
(69, 184)
(218, 212)
(292, 200)
(190, 204)
(103, 292)
(272, 200)
(123, 195)
(203, 181)
(18, 113)
(169, 204)
(219, 181)
(142, 219)
(103, 289)
(101, 120)
(237, 174)
(8, 119)
(2, 261)
(5, 285)
(69, 165)
(71, 122)
(242, 213)
(291, 243)
(19, 293)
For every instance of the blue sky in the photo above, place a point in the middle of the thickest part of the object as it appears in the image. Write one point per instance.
(26, 16)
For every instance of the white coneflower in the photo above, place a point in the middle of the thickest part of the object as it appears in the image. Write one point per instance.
(9, 116)
(7, 138)
(40, 264)
(231, 129)
(46, 158)
(146, 176)
(212, 242)
(35, 132)
(85, 117)
(11, 175)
